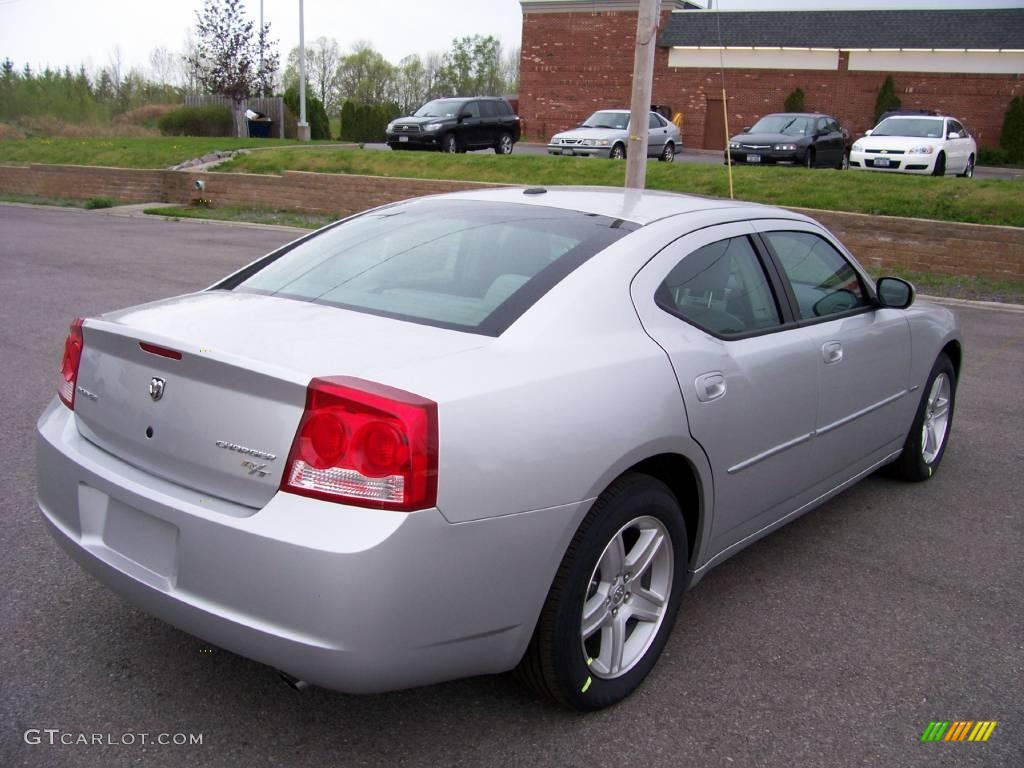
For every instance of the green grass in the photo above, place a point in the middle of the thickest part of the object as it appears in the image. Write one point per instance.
(249, 214)
(150, 152)
(987, 201)
(957, 286)
(62, 202)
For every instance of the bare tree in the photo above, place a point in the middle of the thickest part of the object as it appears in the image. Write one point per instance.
(166, 66)
(115, 69)
(229, 60)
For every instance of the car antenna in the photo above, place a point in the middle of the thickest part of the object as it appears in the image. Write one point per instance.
(725, 100)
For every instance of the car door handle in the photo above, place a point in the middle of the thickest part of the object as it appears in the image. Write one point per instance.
(710, 386)
(832, 352)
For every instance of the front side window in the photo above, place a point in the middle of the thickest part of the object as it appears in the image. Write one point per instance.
(472, 109)
(822, 280)
(461, 264)
(721, 288)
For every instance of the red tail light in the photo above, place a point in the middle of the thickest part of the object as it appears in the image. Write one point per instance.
(69, 365)
(365, 444)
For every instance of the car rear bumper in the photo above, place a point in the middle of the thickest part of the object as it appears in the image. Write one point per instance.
(353, 599)
(865, 161)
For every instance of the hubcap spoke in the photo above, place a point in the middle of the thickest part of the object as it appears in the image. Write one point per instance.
(614, 558)
(643, 552)
(613, 638)
(646, 605)
(595, 614)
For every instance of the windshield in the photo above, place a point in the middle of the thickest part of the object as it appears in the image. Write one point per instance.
(460, 264)
(617, 120)
(788, 125)
(439, 108)
(916, 127)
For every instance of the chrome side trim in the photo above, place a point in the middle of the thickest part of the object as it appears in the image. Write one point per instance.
(770, 452)
(746, 463)
(862, 412)
(728, 551)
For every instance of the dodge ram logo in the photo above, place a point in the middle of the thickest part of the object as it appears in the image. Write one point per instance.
(156, 388)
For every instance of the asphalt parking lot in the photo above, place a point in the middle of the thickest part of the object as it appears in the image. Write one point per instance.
(833, 642)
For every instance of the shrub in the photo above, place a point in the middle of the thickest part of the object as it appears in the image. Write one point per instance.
(214, 120)
(795, 101)
(147, 116)
(316, 115)
(99, 202)
(887, 100)
(348, 117)
(1011, 140)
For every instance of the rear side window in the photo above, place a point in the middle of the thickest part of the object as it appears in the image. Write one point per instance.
(488, 109)
(822, 280)
(721, 288)
(460, 264)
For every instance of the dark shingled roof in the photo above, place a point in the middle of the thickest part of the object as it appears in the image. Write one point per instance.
(981, 28)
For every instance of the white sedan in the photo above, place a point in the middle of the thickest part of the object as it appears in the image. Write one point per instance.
(916, 144)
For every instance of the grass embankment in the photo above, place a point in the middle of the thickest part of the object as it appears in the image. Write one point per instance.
(247, 214)
(151, 152)
(948, 199)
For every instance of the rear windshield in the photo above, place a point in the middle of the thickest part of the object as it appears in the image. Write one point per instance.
(460, 264)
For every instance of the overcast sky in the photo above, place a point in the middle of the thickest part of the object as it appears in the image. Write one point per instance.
(59, 32)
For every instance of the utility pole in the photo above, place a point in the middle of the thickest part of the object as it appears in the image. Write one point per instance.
(640, 105)
(303, 127)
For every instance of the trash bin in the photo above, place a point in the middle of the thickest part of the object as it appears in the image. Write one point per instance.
(259, 125)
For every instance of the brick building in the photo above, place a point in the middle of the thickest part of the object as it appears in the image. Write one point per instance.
(577, 56)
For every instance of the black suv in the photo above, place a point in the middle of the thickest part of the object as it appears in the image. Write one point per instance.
(455, 125)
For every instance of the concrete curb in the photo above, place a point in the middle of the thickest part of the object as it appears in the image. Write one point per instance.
(992, 306)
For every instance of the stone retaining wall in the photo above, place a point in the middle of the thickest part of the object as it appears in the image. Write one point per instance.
(878, 241)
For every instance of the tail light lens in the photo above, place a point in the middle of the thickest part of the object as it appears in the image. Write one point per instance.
(73, 345)
(365, 444)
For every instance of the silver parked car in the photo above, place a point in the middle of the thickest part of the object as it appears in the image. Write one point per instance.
(606, 134)
(494, 430)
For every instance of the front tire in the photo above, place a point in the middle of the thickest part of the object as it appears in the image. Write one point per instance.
(668, 154)
(450, 144)
(618, 152)
(929, 434)
(614, 599)
(809, 158)
(940, 165)
(969, 170)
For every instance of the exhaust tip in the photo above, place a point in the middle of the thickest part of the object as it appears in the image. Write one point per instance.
(293, 682)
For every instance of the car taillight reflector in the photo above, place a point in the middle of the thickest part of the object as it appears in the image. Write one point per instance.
(73, 345)
(153, 349)
(365, 444)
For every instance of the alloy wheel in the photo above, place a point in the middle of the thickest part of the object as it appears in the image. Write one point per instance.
(627, 597)
(936, 419)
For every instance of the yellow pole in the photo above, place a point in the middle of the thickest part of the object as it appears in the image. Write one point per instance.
(728, 150)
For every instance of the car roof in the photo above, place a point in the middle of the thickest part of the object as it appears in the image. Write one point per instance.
(799, 114)
(639, 207)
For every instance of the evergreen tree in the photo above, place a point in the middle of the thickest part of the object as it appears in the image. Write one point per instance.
(887, 100)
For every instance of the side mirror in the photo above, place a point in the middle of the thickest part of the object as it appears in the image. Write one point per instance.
(953, 135)
(895, 292)
(746, 129)
(869, 131)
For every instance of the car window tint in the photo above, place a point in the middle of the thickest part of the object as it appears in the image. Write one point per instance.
(488, 109)
(823, 281)
(472, 109)
(653, 121)
(504, 108)
(721, 288)
(832, 126)
(466, 265)
(955, 126)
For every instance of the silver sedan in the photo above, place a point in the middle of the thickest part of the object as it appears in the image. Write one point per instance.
(494, 430)
(606, 134)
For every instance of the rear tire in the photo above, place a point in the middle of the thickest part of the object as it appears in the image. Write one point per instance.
(626, 561)
(504, 145)
(940, 165)
(929, 434)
